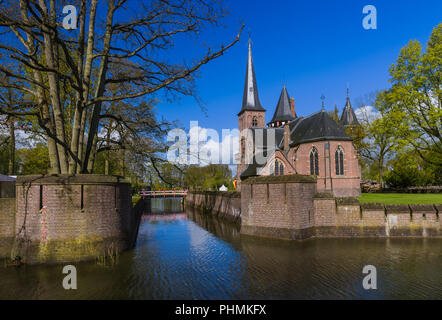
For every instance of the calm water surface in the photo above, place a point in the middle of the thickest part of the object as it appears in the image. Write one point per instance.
(190, 256)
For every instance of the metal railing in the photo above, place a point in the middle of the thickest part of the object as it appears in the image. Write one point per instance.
(163, 193)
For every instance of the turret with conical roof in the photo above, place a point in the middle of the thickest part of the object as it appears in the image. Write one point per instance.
(348, 117)
(283, 112)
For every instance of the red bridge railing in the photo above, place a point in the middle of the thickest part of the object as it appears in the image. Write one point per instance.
(164, 193)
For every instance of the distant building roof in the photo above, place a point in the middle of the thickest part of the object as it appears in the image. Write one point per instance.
(283, 111)
(250, 99)
(4, 178)
(348, 117)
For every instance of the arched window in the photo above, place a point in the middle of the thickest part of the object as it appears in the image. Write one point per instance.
(314, 162)
(339, 161)
(254, 122)
(276, 168)
(281, 169)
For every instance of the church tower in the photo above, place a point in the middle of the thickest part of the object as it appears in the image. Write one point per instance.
(252, 114)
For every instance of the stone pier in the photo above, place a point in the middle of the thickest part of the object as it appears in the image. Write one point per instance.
(62, 218)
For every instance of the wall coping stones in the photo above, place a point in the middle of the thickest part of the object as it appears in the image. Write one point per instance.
(231, 194)
(372, 206)
(397, 208)
(296, 178)
(72, 179)
(422, 208)
(347, 201)
(324, 195)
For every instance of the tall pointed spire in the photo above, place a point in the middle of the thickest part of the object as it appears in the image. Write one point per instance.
(250, 97)
(348, 117)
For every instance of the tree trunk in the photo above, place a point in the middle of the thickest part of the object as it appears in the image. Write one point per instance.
(80, 112)
(55, 100)
(95, 116)
(108, 133)
(91, 161)
(122, 168)
(54, 162)
(381, 172)
(11, 169)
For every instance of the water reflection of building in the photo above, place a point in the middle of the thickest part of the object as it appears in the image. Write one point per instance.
(169, 205)
(163, 217)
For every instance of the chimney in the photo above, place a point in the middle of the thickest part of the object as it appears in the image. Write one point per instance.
(292, 107)
(286, 137)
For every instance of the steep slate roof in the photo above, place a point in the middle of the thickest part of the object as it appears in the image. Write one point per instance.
(316, 127)
(283, 111)
(250, 99)
(348, 117)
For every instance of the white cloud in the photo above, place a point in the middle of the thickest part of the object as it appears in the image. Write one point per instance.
(367, 114)
(207, 146)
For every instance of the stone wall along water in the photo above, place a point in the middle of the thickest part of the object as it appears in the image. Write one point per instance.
(7, 225)
(226, 205)
(278, 206)
(63, 218)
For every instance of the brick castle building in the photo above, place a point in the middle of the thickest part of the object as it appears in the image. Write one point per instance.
(291, 144)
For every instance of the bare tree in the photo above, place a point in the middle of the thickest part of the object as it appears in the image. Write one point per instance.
(66, 76)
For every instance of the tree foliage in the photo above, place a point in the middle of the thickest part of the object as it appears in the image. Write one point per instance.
(414, 102)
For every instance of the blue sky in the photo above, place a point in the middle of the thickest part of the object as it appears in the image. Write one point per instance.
(317, 47)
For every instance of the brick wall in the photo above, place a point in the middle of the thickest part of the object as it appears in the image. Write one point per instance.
(289, 207)
(278, 206)
(347, 185)
(225, 205)
(7, 221)
(69, 218)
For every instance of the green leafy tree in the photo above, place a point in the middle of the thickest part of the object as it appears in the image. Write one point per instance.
(33, 160)
(408, 169)
(379, 141)
(413, 104)
(210, 177)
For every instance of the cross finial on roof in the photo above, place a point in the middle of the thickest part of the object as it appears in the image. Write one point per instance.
(322, 98)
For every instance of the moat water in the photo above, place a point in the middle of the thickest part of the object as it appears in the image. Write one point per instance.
(186, 255)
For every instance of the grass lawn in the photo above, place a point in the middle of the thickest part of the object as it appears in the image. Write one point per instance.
(402, 198)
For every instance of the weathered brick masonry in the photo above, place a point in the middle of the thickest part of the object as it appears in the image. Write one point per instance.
(69, 218)
(278, 206)
(226, 205)
(289, 207)
(7, 225)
